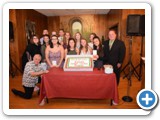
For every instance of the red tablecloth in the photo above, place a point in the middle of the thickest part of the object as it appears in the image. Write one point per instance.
(86, 85)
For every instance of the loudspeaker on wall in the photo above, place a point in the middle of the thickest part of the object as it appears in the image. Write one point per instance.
(136, 25)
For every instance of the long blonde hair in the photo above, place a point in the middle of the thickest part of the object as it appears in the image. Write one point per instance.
(81, 47)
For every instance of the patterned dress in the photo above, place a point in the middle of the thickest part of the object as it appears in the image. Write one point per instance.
(55, 57)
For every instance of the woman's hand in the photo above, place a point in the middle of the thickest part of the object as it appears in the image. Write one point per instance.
(95, 57)
(57, 66)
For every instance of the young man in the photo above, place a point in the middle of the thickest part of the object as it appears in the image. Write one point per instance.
(45, 32)
(61, 36)
(32, 71)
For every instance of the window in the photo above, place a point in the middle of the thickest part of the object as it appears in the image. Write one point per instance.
(76, 27)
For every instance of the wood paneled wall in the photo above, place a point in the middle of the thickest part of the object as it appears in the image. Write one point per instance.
(90, 23)
(18, 17)
(136, 40)
(114, 19)
(120, 17)
(53, 24)
(13, 46)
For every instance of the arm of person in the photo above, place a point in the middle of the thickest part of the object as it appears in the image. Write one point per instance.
(28, 56)
(95, 57)
(30, 70)
(122, 52)
(77, 51)
(65, 53)
(62, 55)
(38, 73)
(43, 52)
(28, 52)
(105, 60)
(46, 56)
(90, 50)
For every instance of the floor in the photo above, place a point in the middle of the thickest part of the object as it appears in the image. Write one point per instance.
(16, 102)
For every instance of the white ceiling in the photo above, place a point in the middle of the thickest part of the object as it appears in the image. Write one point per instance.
(63, 12)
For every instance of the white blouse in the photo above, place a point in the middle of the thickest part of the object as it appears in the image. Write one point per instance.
(90, 44)
(87, 53)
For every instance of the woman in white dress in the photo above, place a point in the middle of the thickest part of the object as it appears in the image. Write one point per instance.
(84, 48)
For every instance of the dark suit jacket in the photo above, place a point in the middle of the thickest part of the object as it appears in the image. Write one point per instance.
(116, 54)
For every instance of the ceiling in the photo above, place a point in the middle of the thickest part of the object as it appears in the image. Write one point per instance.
(63, 12)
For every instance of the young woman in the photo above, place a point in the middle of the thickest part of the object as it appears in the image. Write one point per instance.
(84, 48)
(54, 53)
(66, 39)
(71, 48)
(31, 50)
(98, 59)
(92, 35)
(43, 47)
(78, 37)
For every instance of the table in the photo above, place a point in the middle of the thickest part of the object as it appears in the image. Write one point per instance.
(83, 85)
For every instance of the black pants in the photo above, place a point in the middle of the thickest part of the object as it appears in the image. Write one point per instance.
(117, 72)
(27, 94)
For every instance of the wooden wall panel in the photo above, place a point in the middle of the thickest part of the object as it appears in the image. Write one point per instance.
(13, 45)
(114, 19)
(19, 17)
(100, 25)
(120, 17)
(39, 19)
(53, 24)
(136, 40)
(90, 23)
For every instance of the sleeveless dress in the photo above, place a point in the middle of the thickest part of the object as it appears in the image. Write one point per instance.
(87, 53)
(55, 57)
(72, 52)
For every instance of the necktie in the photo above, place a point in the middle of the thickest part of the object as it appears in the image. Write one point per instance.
(110, 44)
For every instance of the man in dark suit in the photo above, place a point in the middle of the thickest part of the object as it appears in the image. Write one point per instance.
(114, 53)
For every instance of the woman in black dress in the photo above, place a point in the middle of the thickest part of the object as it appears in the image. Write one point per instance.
(98, 59)
(31, 50)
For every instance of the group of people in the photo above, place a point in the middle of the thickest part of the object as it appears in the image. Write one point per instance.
(53, 50)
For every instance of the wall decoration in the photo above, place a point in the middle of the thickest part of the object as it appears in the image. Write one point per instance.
(30, 30)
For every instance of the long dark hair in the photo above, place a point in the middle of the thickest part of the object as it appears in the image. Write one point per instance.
(68, 47)
(65, 40)
(100, 49)
(51, 44)
(31, 40)
(46, 35)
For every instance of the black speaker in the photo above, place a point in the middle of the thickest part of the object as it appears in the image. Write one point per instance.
(136, 25)
(11, 32)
